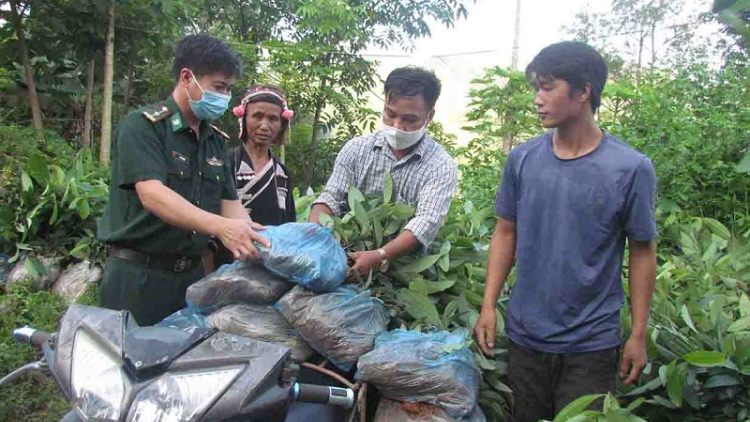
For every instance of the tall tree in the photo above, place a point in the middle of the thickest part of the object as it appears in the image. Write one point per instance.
(106, 140)
(17, 14)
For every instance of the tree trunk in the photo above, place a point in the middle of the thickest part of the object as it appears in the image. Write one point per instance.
(310, 164)
(516, 37)
(109, 65)
(36, 111)
(129, 86)
(89, 112)
(508, 138)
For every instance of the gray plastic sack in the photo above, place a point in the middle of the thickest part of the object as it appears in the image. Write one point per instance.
(262, 323)
(238, 282)
(434, 368)
(341, 325)
(396, 411)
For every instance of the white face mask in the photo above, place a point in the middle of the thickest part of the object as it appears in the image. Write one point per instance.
(400, 140)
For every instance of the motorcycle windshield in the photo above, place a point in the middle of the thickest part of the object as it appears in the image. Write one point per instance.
(150, 350)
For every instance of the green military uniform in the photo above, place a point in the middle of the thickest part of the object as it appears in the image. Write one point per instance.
(152, 263)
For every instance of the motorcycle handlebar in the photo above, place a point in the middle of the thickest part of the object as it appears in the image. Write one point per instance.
(28, 335)
(324, 394)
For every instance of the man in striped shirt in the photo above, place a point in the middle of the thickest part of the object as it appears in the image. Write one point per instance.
(424, 174)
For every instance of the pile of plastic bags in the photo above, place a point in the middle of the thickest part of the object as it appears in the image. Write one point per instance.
(295, 298)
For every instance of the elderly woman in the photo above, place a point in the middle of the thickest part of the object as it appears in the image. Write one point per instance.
(263, 183)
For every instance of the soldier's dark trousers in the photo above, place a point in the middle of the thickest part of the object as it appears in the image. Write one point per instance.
(544, 383)
(150, 295)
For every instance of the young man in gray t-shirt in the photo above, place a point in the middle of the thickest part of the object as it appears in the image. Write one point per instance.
(568, 201)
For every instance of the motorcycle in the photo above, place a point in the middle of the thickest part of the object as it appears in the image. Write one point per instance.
(113, 370)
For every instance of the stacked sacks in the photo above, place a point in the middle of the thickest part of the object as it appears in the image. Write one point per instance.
(341, 325)
(434, 368)
(237, 298)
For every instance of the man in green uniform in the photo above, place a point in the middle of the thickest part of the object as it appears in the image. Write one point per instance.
(172, 190)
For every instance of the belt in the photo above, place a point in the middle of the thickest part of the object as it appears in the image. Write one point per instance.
(156, 262)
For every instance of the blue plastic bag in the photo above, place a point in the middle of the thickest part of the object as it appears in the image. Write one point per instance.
(306, 254)
(341, 325)
(186, 319)
(435, 368)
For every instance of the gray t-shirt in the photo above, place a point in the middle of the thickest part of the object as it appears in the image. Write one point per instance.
(572, 218)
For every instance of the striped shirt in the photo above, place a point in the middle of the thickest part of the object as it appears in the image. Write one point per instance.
(425, 179)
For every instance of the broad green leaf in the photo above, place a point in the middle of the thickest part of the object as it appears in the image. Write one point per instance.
(355, 197)
(431, 287)
(722, 380)
(450, 348)
(421, 264)
(742, 324)
(378, 231)
(402, 211)
(685, 314)
(676, 379)
(576, 407)
(499, 323)
(31, 268)
(37, 167)
(53, 218)
(420, 307)
(84, 210)
(635, 404)
(705, 359)
(744, 305)
(649, 386)
(484, 363)
(610, 405)
(717, 228)
(445, 247)
(388, 188)
(392, 227)
(325, 220)
(362, 218)
(450, 310)
(445, 263)
(26, 183)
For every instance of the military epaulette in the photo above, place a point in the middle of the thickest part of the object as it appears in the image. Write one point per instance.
(157, 113)
(220, 132)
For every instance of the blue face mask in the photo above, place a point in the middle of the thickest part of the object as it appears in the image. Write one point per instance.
(211, 106)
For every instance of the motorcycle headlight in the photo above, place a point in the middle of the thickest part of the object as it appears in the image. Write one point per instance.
(97, 379)
(181, 397)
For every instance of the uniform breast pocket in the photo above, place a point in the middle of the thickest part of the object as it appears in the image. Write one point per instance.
(178, 178)
(213, 179)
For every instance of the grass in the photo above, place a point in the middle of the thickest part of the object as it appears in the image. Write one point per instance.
(33, 398)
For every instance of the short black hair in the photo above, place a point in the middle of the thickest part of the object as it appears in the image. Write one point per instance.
(205, 55)
(411, 81)
(576, 63)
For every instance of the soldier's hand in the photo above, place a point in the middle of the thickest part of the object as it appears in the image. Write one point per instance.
(238, 236)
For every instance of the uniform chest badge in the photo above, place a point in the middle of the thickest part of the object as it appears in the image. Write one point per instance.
(213, 161)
